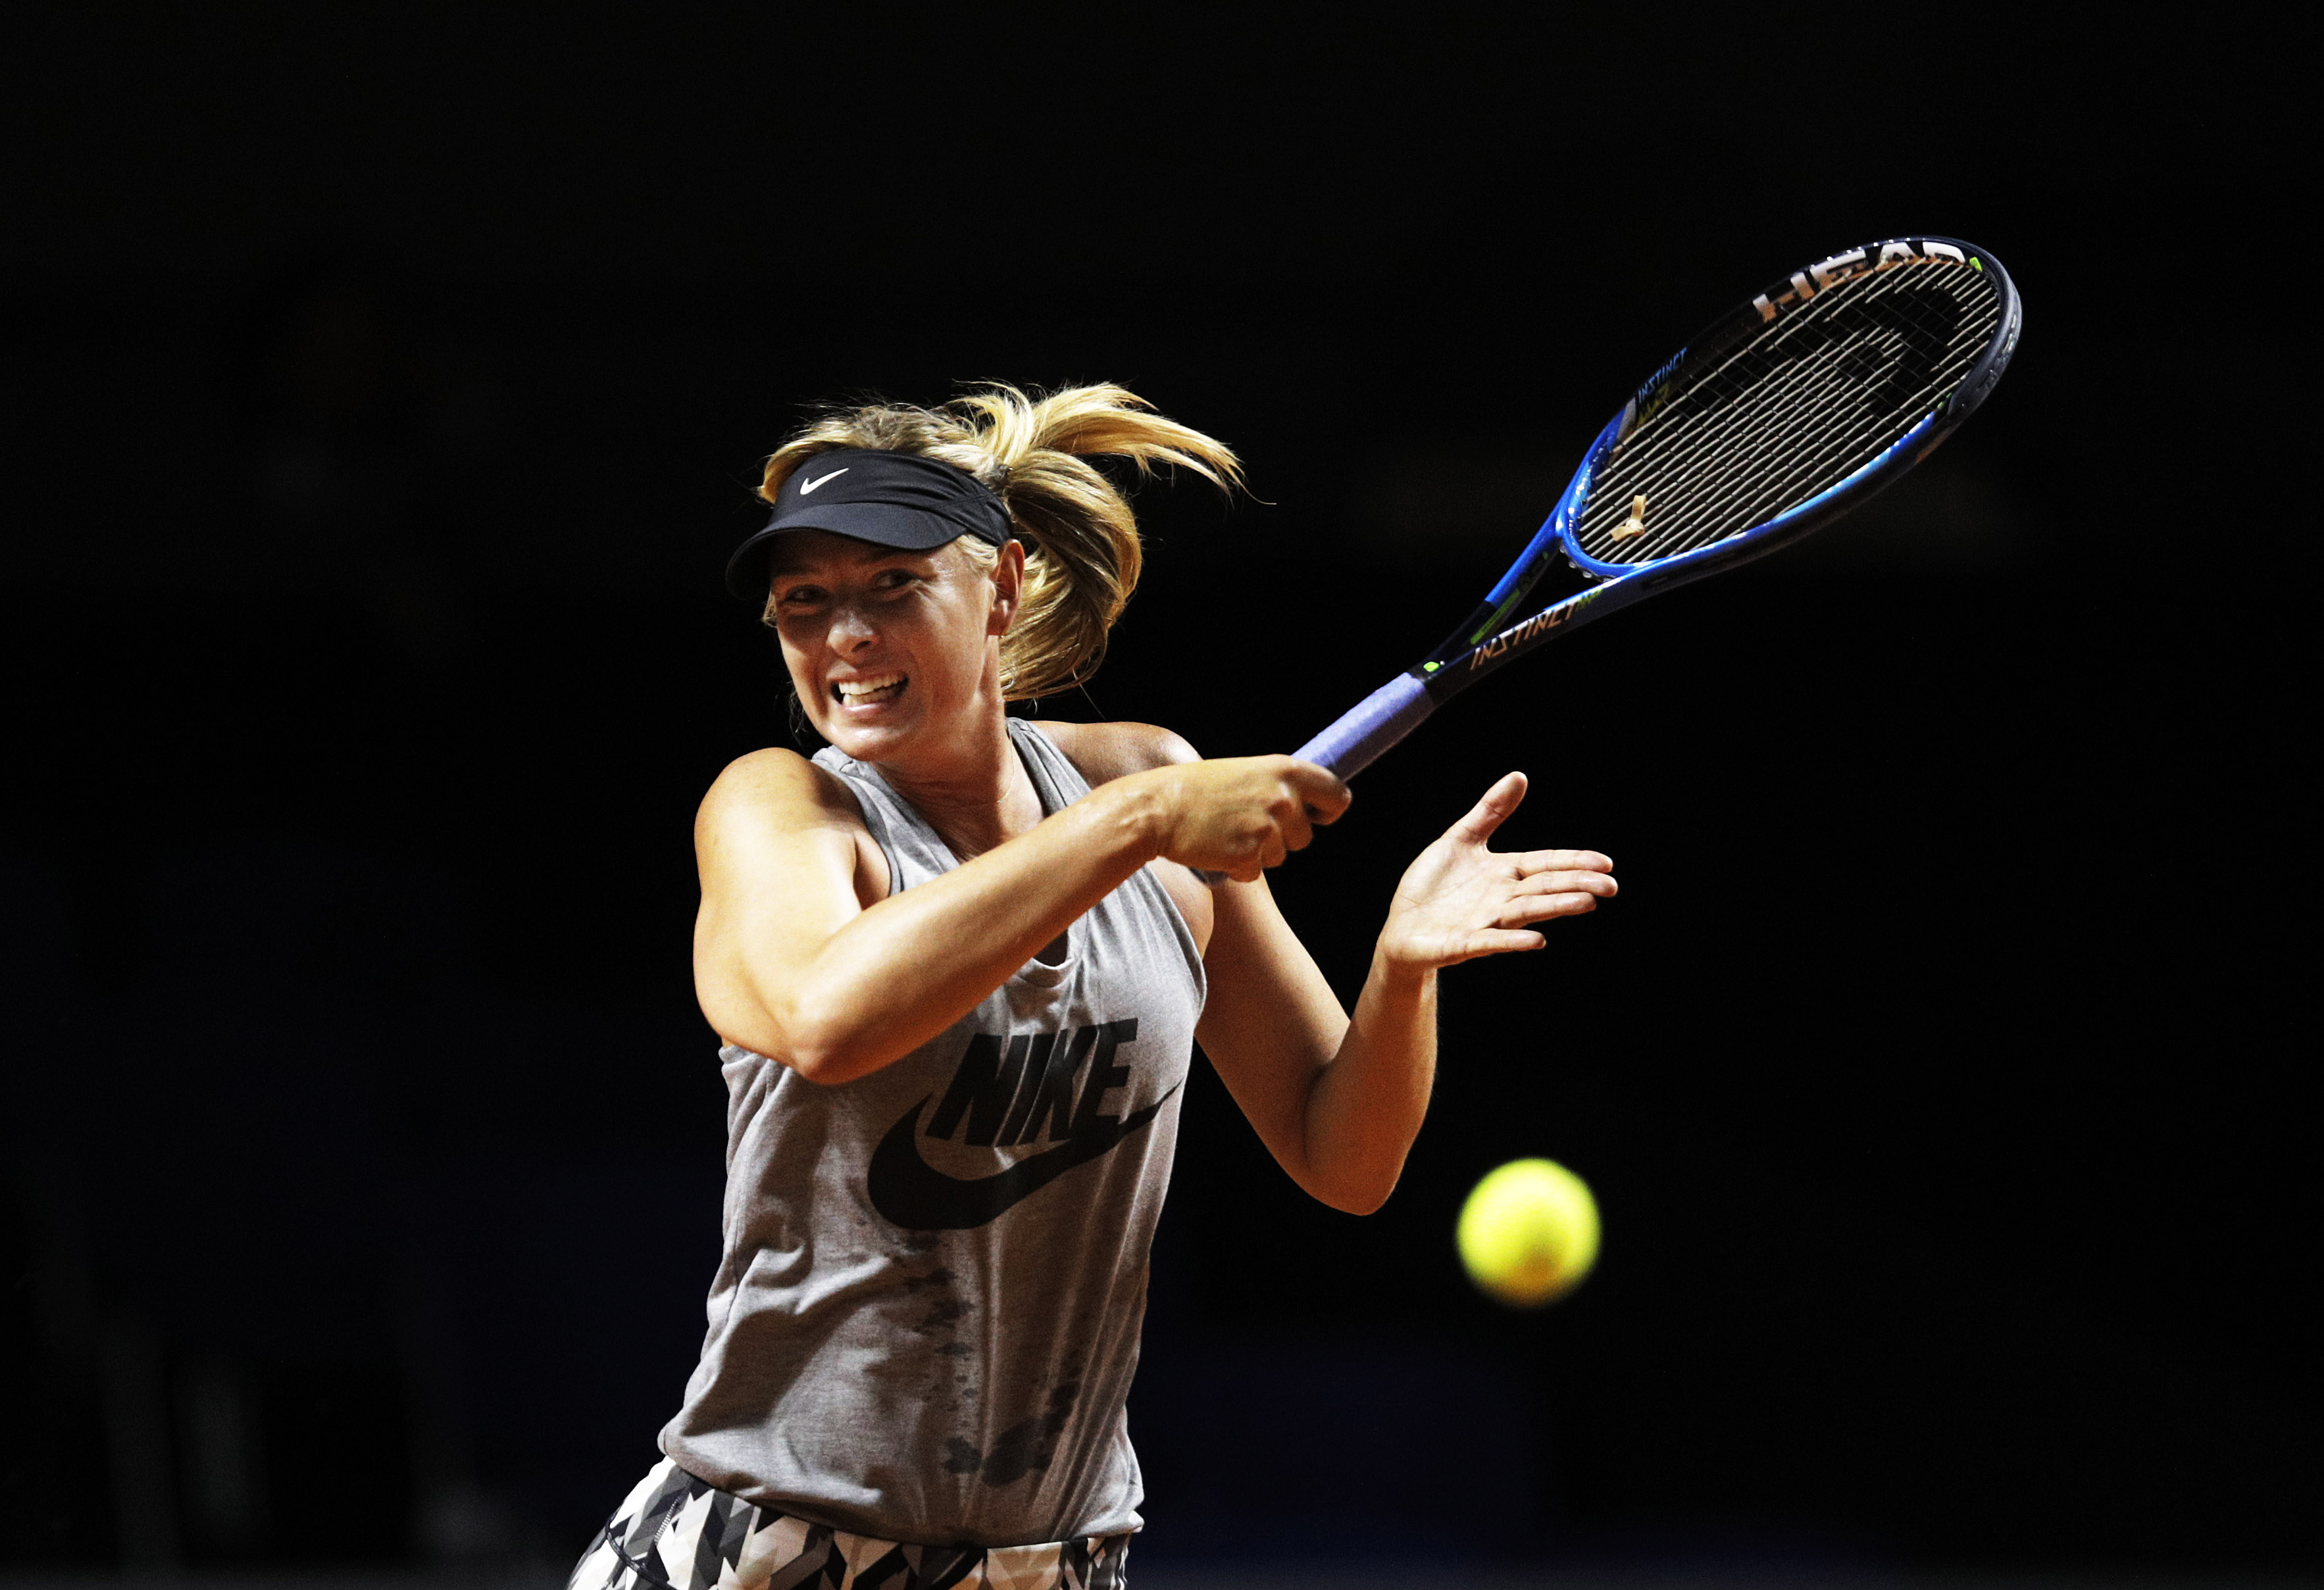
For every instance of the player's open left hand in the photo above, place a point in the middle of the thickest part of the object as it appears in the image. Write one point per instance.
(1460, 900)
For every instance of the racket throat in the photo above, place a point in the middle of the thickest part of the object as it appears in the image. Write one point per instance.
(1480, 625)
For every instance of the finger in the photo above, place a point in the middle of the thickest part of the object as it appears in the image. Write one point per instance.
(1293, 821)
(1601, 883)
(1272, 854)
(1526, 908)
(1496, 940)
(1490, 813)
(1324, 792)
(1532, 861)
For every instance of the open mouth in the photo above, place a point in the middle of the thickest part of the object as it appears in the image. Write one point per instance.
(868, 690)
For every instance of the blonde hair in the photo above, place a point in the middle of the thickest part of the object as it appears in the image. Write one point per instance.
(1082, 554)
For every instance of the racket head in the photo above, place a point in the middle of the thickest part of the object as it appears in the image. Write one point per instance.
(1780, 418)
(1792, 408)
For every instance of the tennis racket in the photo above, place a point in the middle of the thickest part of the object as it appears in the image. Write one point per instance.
(1782, 417)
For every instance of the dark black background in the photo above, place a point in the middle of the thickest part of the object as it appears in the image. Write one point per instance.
(387, 385)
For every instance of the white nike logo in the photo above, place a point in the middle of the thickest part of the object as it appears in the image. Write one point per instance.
(807, 486)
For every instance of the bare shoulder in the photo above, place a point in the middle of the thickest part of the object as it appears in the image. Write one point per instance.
(1106, 751)
(781, 787)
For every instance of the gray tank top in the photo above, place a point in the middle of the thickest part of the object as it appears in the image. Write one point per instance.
(926, 1321)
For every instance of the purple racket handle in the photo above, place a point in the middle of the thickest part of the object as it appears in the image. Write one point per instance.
(1367, 729)
(1362, 734)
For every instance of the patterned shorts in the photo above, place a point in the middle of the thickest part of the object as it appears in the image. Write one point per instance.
(677, 1532)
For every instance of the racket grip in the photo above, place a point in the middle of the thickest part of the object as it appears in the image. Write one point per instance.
(1353, 743)
(1375, 723)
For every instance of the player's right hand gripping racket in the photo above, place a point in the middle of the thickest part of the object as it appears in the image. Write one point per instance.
(1774, 422)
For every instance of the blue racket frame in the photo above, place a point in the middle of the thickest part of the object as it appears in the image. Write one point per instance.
(1487, 641)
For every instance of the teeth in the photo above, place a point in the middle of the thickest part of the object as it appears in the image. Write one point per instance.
(864, 689)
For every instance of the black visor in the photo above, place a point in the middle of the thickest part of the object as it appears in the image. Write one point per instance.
(897, 499)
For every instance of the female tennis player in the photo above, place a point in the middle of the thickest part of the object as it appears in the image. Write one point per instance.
(960, 962)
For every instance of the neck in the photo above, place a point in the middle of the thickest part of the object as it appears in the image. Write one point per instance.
(976, 795)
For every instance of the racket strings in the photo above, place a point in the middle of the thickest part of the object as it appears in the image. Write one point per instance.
(1722, 475)
(1815, 329)
(1784, 466)
(1783, 418)
(1827, 452)
(1739, 396)
(1742, 368)
(1795, 391)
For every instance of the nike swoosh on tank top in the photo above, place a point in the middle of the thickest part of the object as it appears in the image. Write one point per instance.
(926, 1320)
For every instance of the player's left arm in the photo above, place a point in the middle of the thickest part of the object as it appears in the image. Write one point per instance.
(1338, 1099)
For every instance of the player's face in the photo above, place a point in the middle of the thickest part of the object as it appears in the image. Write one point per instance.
(882, 644)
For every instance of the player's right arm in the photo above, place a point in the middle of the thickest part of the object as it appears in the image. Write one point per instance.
(801, 954)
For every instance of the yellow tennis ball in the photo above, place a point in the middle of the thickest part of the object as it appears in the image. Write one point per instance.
(1528, 1233)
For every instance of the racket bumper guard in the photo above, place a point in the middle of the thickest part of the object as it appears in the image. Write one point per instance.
(1375, 723)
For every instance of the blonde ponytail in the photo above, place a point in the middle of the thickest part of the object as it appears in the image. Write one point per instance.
(1082, 555)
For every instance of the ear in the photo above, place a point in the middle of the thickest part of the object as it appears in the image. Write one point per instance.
(1008, 588)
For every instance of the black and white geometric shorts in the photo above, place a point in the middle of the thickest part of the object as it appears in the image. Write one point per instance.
(677, 1532)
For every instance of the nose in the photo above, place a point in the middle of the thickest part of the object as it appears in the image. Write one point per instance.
(851, 628)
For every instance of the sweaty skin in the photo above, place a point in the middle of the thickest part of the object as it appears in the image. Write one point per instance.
(801, 954)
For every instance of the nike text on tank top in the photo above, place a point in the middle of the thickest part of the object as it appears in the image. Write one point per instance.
(926, 1321)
